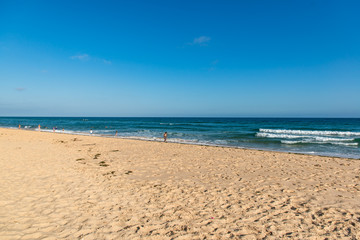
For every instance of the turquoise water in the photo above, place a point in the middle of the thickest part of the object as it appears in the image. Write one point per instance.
(327, 137)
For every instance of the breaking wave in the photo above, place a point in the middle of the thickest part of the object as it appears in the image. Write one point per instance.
(311, 137)
(310, 132)
(316, 142)
(317, 138)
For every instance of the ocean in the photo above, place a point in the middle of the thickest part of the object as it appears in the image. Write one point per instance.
(336, 137)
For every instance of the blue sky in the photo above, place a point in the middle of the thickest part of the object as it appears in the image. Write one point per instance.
(180, 58)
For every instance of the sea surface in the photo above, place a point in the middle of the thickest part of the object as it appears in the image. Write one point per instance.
(337, 137)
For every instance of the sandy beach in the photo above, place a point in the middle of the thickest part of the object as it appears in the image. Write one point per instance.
(59, 186)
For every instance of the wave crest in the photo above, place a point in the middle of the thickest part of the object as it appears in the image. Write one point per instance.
(310, 132)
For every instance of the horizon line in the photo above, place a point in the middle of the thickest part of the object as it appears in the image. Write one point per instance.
(171, 117)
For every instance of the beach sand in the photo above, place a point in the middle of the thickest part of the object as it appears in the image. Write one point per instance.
(59, 186)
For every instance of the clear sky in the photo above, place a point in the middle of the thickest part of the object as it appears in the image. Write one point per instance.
(180, 58)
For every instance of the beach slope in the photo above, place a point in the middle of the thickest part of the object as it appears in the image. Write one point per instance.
(59, 186)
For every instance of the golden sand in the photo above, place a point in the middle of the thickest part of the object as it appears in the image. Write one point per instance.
(58, 186)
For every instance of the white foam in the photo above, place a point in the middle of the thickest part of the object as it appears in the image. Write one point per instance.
(309, 141)
(291, 136)
(276, 135)
(308, 132)
(291, 142)
(345, 144)
(222, 142)
(106, 130)
(327, 139)
(179, 140)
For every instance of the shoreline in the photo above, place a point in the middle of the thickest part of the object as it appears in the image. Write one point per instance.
(192, 144)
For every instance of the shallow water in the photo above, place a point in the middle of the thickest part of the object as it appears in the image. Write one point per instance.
(318, 136)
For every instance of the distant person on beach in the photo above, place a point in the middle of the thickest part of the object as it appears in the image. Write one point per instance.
(165, 136)
(19, 126)
(39, 127)
(116, 133)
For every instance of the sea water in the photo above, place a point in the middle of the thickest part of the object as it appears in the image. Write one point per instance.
(318, 136)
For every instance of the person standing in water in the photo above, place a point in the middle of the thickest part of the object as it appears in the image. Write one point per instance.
(39, 127)
(91, 131)
(165, 136)
(116, 133)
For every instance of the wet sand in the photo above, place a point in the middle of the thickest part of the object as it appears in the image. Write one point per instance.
(59, 186)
